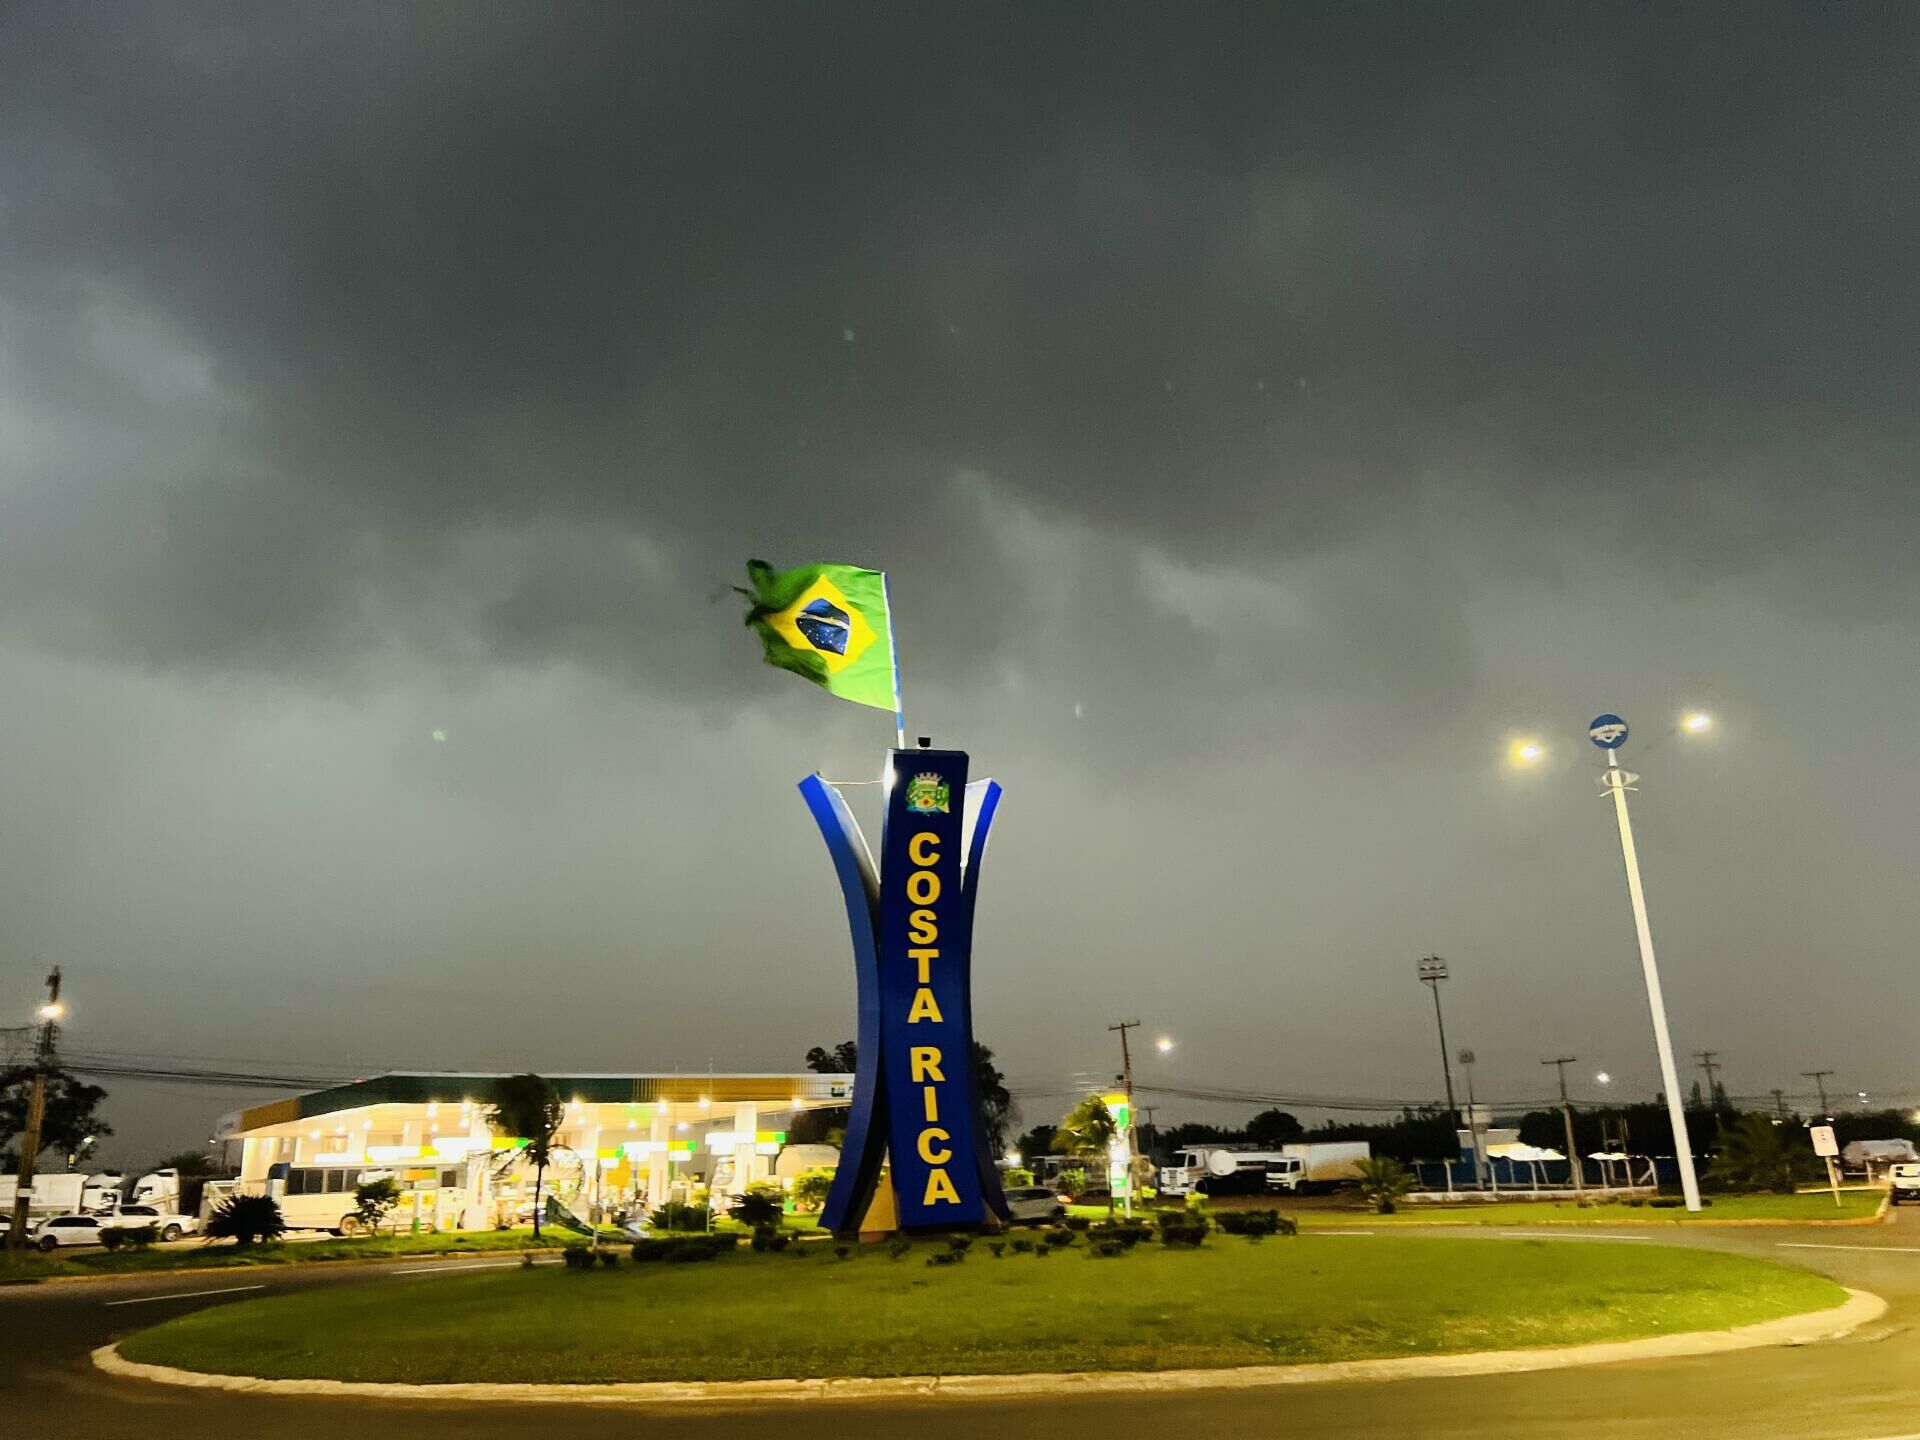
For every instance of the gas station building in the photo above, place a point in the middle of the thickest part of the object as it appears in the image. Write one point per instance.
(626, 1142)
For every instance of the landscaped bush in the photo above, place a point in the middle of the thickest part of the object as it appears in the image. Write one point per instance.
(996, 1248)
(1016, 1178)
(247, 1220)
(609, 1259)
(1057, 1239)
(1125, 1233)
(678, 1215)
(1178, 1229)
(960, 1244)
(1077, 1222)
(1070, 1182)
(945, 1257)
(1107, 1249)
(770, 1239)
(843, 1252)
(577, 1257)
(1022, 1244)
(810, 1189)
(761, 1205)
(1256, 1223)
(680, 1249)
(898, 1247)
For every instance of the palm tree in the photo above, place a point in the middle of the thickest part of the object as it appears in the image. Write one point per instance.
(1383, 1181)
(1085, 1133)
(528, 1107)
(1755, 1155)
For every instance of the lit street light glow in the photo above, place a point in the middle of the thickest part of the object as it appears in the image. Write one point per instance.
(1604, 1078)
(51, 1012)
(1696, 722)
(1526, 752)
(1163, 1044)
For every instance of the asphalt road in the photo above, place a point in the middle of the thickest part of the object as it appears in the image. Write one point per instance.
(1864, 1388)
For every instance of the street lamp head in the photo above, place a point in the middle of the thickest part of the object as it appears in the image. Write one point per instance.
(1163, 1044)
(1432, 968)
(53, 1010)
(1524, 753)
(1696, 722)
(1604, 1078)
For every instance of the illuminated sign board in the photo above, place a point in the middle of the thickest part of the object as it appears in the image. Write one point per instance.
(915, 1107)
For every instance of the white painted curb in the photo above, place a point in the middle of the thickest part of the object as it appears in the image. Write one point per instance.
(1859, 1309)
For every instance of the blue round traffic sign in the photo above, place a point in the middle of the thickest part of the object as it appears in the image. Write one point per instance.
(1609, 732)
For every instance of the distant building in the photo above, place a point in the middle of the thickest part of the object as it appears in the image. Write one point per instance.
(627, 1142)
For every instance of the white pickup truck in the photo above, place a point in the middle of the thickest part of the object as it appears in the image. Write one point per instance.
(1903, 1182)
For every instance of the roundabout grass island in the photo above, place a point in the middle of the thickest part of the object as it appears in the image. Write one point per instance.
(805, 1313)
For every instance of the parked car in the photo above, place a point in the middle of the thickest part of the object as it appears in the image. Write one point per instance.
(168, 1224)
(1904, 1180)
(1031, 1204)
(58, 1231)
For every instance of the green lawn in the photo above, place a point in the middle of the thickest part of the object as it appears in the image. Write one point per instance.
(761, 1316)
(220, 1255)
(1854, 1205)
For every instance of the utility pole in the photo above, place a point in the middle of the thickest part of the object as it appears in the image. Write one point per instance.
(1566, 1114)
(1432, 971)
(1706, 1060)
(1819, 1077)
(1126, 1081)
(1780, 1103)
(36, 1112)
(1473, 1124)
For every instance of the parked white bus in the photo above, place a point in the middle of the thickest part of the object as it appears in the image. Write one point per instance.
(322, 1197)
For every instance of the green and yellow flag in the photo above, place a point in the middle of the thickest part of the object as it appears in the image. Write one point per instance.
(828, 623)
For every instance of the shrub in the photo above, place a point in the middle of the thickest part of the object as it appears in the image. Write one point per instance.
(945, 1257)
(678, 1215)
(810, 1189)
(1384, 1181)
(113, 1239)
(1256, 1223)
(1070, 1182)
(1016, 1178)
(373, 1200)
(1022, 1244)
(960, 1244)
(996, 1248)
(1058, 1239)
(843, 1252)
(1077, 1222)
(609, 1259)
(1179, 1232)
(247, 1220)
(770, 1239)
(680, 1249)
(1125, 1233)
(898, 1247)
(1107, 1249)
(139, 1237)
(761, 1205)
(577, 1257)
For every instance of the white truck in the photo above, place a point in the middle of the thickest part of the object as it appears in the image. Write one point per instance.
(71, 1193)
(1241, 1170)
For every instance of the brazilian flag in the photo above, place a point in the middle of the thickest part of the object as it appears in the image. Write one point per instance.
(828, 623)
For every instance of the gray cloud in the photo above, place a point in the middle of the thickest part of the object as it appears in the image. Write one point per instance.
(1298, 396)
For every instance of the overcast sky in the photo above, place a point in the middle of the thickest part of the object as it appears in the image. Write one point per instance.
(1264, 412)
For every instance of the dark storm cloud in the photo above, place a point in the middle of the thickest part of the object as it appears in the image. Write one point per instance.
(1228, 284)
(1260, 409)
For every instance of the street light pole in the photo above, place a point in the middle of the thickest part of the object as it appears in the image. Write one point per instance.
(1566, 1114)
(1819, 1077)
(36, 1113)
(1609, 732)
(1126, 1079)
(1432, 971)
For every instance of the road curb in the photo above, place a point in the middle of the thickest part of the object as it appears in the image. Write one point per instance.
(1860, 1308)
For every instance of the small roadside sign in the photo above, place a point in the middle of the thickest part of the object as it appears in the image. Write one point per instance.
(1823, 1141)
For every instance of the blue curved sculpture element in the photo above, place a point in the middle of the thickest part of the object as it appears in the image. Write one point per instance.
(916, 1108)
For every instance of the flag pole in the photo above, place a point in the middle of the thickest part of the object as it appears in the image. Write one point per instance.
(893, 647)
